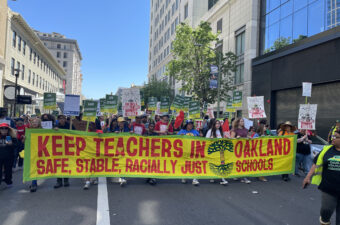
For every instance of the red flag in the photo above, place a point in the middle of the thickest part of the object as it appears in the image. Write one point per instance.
(225, 126)
(179, 119)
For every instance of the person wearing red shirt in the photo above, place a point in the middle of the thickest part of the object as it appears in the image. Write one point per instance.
(163, 127)
(138, 127)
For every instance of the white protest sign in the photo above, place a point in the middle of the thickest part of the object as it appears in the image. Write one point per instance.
(72, 105)
(131, 102)
(307, 89)
(98, 108)
(158, 110)
(307, 116)
(248, 123)
(46, 124)
(256, 107)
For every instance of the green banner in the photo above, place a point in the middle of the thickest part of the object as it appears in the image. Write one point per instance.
(194, 110)
(152, 103)
(237, 99)
(37, 112)
(90, 110)
(111, 104)
(50, 100)
(229, 105)
(165, 104)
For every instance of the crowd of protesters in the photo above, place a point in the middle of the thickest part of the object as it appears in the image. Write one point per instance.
(12, 132)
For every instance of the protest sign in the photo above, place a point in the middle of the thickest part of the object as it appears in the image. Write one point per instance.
(229, 105)
(131, 102)
(158, 109)
(178, 103)
(68, 153)
(102, 104)
(165, 104)
(256, 107)
(152, 103)
(111, 104)
(50, 101)
(37, 112)
(210, 112)
(307, 116)
(198, 124)
(187, 99)
(46, 124)
(248, 123)
(237, 99)
(99, 113)
(90, 110)
(307, 89)
(55, 113)
(194, 110)
(72, 105)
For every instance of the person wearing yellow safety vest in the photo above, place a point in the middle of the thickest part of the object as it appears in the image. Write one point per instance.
(333, 130)
(326, 171)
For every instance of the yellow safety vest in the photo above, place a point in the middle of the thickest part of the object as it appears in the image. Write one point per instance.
(335, 128)
(318, 171)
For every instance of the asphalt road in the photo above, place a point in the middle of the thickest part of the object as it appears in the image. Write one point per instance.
(169, 202)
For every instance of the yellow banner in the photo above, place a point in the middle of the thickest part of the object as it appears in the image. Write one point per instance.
(67, 153)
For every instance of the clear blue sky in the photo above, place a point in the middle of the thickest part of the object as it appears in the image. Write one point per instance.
(113, 37)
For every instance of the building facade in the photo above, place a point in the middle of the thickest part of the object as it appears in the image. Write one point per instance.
(3, 30)
(38, 71)
(300, 42)
(67, 53)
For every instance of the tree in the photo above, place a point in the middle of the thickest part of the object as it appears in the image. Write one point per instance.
(278, 43)
(220, 146)
(192, 59)
(156, 88)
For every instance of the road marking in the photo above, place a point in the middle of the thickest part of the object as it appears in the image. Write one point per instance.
(103, 213)
(15, 218)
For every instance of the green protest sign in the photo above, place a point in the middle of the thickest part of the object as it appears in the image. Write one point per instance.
(187, 100)
(152, 103)
(165, 104)
(50, 101)
(229, 105)
(237, 99)
(102, 104)
(111, 104)
(178, 103)
(90, 110)
(55, 113)
(194, 110)
(37, 112)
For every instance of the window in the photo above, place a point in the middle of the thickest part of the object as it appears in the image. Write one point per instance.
(31, 52)
(12, 66)
(64, 46)
(65, 55)
(186, 11)
(219, 26)
(24, 47)
(35, 56)
(65, 64)
(239, 74)
(58, 46)
(14, 41)
(240, 39)
(29, 76)
(211, 3)
(33, 79)
(40, 83)
(38, 60)
(18, 65)
(23, 72)
(19, 43)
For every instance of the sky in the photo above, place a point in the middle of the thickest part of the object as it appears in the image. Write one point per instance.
(113, 37)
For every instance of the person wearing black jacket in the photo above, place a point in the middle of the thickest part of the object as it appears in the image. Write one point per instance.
(303, 152)
(8, 143)
(62, 124)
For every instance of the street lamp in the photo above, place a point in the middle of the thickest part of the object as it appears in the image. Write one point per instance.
(219, 77)
(15, 90)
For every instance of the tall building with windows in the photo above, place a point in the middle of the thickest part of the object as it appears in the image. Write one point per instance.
(165, 15)
(38, 72)
(300, 42)
(67, 53)
(3, 25)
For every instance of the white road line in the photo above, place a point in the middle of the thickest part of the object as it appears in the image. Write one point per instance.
(103, 213)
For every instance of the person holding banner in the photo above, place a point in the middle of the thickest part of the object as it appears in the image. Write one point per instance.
(122, 128)
(216, 132)
(151, 130)
(138, 127)
(239, 131)
(35, 124)
(163, 127)
(189, 129)
(261, 131)
(327, 176)
(286, 129)
(64, 125)
(113, 124)
(8, 144)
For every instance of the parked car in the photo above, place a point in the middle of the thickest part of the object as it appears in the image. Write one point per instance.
(317, 145)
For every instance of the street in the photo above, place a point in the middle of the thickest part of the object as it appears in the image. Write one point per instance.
(169, 202)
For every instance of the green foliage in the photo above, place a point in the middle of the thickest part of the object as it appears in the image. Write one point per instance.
(221, 145)
(157, 89)
(221, 170)
(279, 43)
(192, 59)
(301, 37)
